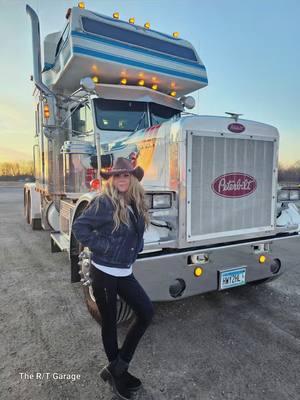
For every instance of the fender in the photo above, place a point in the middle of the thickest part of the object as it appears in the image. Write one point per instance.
(35, 203)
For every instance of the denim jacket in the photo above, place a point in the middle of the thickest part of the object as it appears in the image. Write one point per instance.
(93, 228)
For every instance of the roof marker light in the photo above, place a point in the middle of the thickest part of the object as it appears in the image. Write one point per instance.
(147, 25)
(141, 82)
(116, 15)
(173, 93)
(131, 20)
(123, 81)
(81, 5)
(154, 87)
(175, 34)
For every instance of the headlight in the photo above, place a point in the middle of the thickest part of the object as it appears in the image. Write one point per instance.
(161, 201)
(283, 195)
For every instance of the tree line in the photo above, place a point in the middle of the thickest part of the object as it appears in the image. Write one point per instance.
(16, 168)
(289, 174)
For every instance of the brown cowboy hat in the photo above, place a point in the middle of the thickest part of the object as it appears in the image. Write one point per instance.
(122, 165)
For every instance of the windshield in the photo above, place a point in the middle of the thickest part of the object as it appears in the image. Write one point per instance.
(120, 115)
(160, 113)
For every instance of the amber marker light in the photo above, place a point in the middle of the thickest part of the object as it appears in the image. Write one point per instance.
(95, 184)
(141, 82)
(154, 87)
(147, 25)
(46, 111)
(116, 15)
(131, 20)
(95, 79)
(123, 81)
(175, 34)
(262, 259)
(198, 271)
(81, 4)
(173, 93)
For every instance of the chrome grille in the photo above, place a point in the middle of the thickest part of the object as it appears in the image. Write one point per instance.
(211, 214)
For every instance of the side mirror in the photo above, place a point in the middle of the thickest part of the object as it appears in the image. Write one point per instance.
(88, 84)
(188, 102)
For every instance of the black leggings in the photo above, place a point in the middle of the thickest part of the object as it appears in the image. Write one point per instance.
(105, 288)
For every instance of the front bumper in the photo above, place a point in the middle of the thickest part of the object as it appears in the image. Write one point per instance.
(157, 273)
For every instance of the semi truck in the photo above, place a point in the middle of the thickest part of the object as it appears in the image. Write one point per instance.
(109, 88)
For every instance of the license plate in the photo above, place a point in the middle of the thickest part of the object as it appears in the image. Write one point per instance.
(232, 277)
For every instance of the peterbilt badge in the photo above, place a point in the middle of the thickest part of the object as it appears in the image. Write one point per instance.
(236, 128)
(234, 184)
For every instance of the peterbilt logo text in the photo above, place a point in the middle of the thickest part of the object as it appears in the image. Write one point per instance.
(236, 128)
(235, 184)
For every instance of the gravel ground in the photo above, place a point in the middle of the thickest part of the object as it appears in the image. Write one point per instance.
(241, 344)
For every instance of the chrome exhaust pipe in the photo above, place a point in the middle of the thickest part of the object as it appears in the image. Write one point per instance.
(36, 51)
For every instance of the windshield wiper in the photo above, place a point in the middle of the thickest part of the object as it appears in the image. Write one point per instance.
(140, 120)
(154, 119)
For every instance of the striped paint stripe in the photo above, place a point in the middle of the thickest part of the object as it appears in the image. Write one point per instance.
(122, 60)
(174, 59)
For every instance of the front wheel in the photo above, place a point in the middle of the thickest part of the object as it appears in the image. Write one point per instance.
(124, 312)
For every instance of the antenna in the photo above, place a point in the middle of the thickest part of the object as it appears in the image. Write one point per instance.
(234, 115)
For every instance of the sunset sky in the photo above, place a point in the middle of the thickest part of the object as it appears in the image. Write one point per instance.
(251, 50)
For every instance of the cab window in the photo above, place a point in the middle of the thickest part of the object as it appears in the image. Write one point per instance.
(121, 115)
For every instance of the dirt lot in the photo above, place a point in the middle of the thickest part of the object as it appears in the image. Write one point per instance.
(243, 344)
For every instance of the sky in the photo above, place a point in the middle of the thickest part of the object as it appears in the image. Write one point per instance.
(251, 50)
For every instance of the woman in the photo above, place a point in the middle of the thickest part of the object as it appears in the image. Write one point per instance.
(112, 227)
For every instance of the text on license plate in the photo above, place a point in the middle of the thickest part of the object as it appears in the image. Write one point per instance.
(232, 277)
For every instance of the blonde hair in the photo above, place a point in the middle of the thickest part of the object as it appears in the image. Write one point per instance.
(135, 193)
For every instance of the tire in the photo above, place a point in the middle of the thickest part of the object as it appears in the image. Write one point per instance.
(75, 277)
(124, 312)
(28, 206)
(36, 224)
(54, 247)
(25, 203)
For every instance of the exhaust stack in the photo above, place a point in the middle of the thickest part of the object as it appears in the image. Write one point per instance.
(36, 51)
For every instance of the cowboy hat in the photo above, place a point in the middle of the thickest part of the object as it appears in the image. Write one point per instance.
(123, 165)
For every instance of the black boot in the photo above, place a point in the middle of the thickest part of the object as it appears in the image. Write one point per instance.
(132, 382)
(114, 373)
